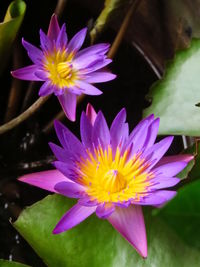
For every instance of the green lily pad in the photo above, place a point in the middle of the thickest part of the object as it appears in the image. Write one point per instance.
(5, 263)
(176, 96)
(183, 212)
(95, 243)
(9, 28)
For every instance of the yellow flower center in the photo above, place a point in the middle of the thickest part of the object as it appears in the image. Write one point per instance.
(114, 179)
(59, 66)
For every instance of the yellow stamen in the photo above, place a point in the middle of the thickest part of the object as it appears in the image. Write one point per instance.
(114, 179)
(59, 66)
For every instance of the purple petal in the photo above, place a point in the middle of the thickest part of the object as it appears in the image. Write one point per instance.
(91, 113)
(61, 41)
(73, 217)
(69, 189)
(145, 121)
(77, 41)
(82, 62)
(100, 49)
(152, 134)
(158, 198)
(101, 133)
(46, 89)
(98, 65)
(158, 150)
(68, 103)
(129, 222)
(46, 43)
(170, 169)
(45, 179)
(160, 182)
(68, 169)
(87, 201)
(54, 28)
(98, 77)
(118, 130)
(86, 131)
(87, 88)
(26, 73)
(138, 138)
(59, 152)
(68, 140)
(139, 135)
(43, 75)
(34, 53)
(169, 159)
(103, 211)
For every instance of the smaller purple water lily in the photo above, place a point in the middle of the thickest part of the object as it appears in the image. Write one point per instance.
(112, 173)
(66, 71)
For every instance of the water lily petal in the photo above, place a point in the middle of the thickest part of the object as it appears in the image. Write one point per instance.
(87, 88)
(26, 73)
(99, 49)
(170, 159)
(77, 41)
(170, 169)
(86, 131)
(152, 133)
(101, 76)
(35, 54)
(45, 179)
(62, 38)
(54, 28)
(158, 150)
(101, 133)
(160, 183)
(129, 222)
(46, 89)
(68, 103)
(104, 210)
(69, 189)
(73, 217)
(158, 198)
(91, 113)
(118, 130)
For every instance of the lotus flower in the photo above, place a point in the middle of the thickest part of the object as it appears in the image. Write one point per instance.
(65, 71)
(112, 173)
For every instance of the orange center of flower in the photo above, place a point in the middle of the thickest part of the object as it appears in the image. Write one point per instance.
(114, 179)
(59, 66)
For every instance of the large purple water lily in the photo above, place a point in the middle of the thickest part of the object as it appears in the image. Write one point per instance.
(65, 71)
(112, 173)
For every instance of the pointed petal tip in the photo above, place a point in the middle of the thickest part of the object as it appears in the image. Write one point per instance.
(56, 231)
(91, 113)
(129, 222)
(54, 16)
(68, 102)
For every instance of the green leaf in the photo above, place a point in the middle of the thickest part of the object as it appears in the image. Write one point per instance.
(192, 170)
(174, 97)
(95, 243)
(110, 6)
(5, 263)
(9, 28)
(183, 213)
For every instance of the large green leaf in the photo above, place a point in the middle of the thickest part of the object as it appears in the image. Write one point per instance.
(9, 28)
(95, 243)
(183, 213)
(175, 97)
(5, 263)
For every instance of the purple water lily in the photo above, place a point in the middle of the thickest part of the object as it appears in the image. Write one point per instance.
(65, 71)
(112, 173)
